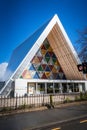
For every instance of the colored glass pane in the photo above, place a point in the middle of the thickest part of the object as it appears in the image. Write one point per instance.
(54, 60)
(32, 67)
(46, 43)
(40, 73)
(51, 53)
(36, 66)
(55, 75)
(43, 47)
(47, 59)
(58, 77)
(44, 76)
(44, 66)
(43, 52)
(40, 68)
(47, 55)
(43, 61)
(26, 74)
(50, 49)
(32, 73)
(40, 58)
(54, 56)
(51, 67)
(35, 60)
(47, 69)
(47, 74)
(36, 76)
(54, 70)
(60, 70)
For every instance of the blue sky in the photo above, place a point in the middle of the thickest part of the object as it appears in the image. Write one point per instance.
(20, 18)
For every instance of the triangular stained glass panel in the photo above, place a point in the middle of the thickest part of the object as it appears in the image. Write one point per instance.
(46, 44)
(40, 58)
(40, 73)
(26, 74)
(47, 59)
(44, 66)
(44, 76)
(47, 55)
(54, 70)
(36, 66)
(36, 76)
(43, 47)
(29, 66)
(58, 77)
(54, 56)
(54, 60)
(61, 75)
(55, 75)
(51, 67)
(43, 52)
(64, 77)
(47, 74)
(58, 67)
(51, 53)
(32, 67)
(50, 62)
(43, 61)
(32, 73)
(60, 70)
(50, 49)
(40, 68)
(35, 60)
(47, 69)
(51, 75)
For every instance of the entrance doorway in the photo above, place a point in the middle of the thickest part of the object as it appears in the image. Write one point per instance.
(31, 88)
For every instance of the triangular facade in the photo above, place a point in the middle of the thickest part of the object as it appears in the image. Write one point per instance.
(47, 54)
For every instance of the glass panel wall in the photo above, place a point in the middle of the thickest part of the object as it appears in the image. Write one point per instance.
(56, 87)
(41, 87)
(49, 87)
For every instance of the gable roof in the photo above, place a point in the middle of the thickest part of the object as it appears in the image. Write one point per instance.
(21, 51)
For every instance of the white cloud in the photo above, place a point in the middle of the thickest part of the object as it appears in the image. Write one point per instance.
(3, 67)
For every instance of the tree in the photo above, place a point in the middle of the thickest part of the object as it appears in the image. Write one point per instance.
(82, 44)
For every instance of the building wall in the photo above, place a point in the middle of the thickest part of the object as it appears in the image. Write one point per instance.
(25, 87)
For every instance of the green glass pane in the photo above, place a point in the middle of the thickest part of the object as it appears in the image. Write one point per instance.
(40, 68)
(47, 59)
(47, 45)
(54, 60)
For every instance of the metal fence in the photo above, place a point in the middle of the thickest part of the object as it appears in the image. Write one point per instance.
(33, 101)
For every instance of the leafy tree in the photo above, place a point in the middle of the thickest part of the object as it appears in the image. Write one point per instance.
(82, 44)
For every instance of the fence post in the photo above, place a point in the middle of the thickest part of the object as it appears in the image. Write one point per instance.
(51, 101)
(43, 100)
(16, 103)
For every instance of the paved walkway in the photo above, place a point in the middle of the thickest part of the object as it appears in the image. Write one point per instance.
(33, 119)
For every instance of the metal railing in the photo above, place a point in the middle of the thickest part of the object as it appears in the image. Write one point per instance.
(34, 101)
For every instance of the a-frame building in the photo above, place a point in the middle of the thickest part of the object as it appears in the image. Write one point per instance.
(44, 63)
